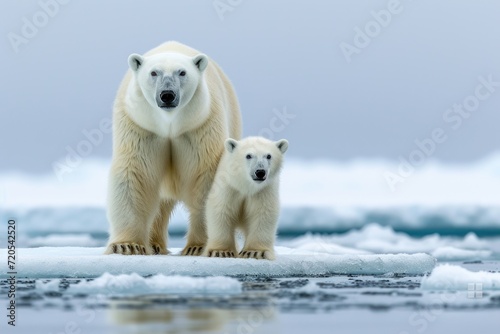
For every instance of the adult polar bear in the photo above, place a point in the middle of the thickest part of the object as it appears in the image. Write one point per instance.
(173, 111)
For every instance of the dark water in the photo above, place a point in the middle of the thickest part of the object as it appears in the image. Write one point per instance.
(344, 304)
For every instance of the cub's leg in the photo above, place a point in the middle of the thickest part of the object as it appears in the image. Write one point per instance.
(260, 229)
(220, 230)
(159, 233)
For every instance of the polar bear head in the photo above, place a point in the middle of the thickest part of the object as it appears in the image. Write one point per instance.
(253, 162)
(163, 85)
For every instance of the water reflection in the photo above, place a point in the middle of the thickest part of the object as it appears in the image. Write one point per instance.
(150, 318)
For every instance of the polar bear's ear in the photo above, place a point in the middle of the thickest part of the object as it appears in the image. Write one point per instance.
(282, 145)
(201, 61)
(230, 144)
(135, 61)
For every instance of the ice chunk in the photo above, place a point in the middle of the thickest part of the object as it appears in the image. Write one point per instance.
(52, 285)
(135, 284)
(452, 277)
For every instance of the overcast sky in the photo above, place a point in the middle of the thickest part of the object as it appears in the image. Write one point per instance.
(353, 87)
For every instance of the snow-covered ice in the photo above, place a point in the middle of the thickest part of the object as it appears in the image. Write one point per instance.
(134, 284)
(453, 277)
(359, 183)
(331, 196)
(374, 238)
(48, 262)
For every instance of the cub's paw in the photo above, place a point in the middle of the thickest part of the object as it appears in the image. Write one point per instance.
(126, 248)
(194, 250)
(256, 254)
(159, 250)
(220, 253)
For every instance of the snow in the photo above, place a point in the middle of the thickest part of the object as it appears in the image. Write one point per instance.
(128, 284)
(374, 238)
(452, 277)
(326, 184)
(58, 262)
(60, 240)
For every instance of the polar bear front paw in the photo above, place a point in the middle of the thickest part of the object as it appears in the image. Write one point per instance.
(159, 250)
(256, 254)
(126, 248)
(220, 253)
(192, 250)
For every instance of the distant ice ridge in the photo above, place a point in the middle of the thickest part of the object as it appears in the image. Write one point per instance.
(374, 238)
(126, 284)
(293, 220)
(356, 184)
(61, 240)
(452, 277)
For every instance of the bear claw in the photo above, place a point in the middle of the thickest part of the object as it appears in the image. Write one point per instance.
(127, 248)
(157, 249)
(220, 253)
(192, 250)
(255, 254)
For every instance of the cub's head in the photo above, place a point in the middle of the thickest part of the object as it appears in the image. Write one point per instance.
(168, 81)
(254, 162)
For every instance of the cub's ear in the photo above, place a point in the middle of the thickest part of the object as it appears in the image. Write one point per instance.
(230, 144)
(282, 145)
(201, 61)
(135, 61)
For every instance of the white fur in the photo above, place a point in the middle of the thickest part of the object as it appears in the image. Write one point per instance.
(237, 201)
(141, 104)
(160, 156)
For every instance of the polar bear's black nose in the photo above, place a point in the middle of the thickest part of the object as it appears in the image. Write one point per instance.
(167, 96)
(260, 173)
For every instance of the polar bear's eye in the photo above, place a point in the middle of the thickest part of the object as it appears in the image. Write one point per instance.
(182, 73)
(249, 156)
(268, 157)
(153, 74)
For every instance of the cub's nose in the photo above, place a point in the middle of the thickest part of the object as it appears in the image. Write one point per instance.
(167, 96)
(260, 173)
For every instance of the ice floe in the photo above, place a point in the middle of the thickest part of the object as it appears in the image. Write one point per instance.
(58, 262)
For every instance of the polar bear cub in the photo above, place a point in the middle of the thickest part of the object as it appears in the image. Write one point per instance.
(245, 196)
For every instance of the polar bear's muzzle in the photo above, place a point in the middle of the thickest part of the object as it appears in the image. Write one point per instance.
(259, 175)
(168, 99)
